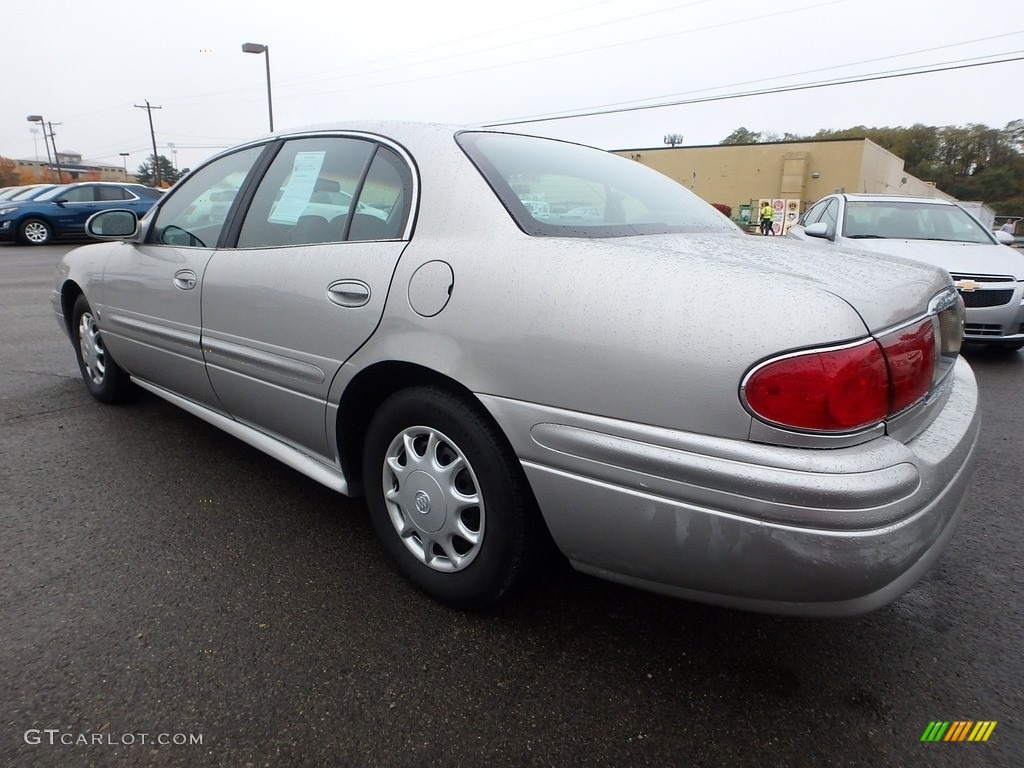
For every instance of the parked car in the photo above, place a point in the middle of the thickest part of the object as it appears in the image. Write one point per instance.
(677, 406)
(988, 274)
(30, 192)
(8, 192)
(61, 212)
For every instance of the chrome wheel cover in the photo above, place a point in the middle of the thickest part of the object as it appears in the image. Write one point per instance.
(36, 232)
(94, 355)
(433, 499)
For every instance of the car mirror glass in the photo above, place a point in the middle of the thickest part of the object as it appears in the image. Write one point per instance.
(112, 225)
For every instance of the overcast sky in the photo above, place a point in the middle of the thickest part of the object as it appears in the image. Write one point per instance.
(85, 64)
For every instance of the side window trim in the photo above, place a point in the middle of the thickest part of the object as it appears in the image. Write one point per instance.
(409, 174)
(240, 205)
(358, 191)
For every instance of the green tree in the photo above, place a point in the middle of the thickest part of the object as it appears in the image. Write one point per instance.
(742, 136)
(146, 174)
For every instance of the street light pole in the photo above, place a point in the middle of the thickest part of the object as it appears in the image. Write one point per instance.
(265, 50)
(42, 124)
(124, 160)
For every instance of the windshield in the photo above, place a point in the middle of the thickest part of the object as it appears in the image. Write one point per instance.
(557, 189)
(30, 193)
(908, 220)
(54, 193)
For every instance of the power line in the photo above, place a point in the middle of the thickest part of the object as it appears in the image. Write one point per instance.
(536, 59)
(305, 80)
(747, 94)
(986, 39)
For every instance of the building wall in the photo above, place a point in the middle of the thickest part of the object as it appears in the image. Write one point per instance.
(738, 174)
(33, 171)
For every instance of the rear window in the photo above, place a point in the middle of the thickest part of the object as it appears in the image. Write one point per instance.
(556, 189)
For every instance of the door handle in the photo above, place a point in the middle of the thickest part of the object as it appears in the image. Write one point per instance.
(185, 279)
(348, 293)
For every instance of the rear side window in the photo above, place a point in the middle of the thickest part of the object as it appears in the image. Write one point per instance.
(113, 193)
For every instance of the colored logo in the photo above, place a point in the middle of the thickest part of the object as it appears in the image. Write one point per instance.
(958, 730)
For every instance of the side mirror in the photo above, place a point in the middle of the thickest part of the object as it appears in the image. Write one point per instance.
(818, 229)
(61, 201)
(1004, 237)
(113, 225)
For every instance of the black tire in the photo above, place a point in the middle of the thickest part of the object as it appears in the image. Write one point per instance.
(103, 377)
(35, 232)
(427, 491)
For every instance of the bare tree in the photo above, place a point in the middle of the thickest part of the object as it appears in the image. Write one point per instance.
(673, 138)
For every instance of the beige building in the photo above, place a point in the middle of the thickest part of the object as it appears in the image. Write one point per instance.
(797, 172)
(72, 168)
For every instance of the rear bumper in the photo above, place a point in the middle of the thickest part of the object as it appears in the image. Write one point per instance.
(782, 530)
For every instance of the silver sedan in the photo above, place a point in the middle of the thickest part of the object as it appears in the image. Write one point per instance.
(988, 274)
(675, 405)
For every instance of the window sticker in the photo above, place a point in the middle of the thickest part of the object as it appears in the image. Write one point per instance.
(299, 190)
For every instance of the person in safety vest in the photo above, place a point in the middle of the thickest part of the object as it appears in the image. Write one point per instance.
(767, 219)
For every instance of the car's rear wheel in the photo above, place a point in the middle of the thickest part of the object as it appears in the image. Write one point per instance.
(35, 232)
(104, 379)
(448, 498)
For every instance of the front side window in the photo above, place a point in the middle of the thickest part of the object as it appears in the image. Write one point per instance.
(194, 215)
(813, 213)
(556, 189)
(830, 214)
(86, 194)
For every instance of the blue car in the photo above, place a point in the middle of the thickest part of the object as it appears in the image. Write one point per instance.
(61, 212)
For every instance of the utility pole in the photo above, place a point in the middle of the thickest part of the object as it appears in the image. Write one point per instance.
(152, 134)
(56, 157)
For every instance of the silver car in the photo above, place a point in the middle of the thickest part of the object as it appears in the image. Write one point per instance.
(988, 274)
(677, 406)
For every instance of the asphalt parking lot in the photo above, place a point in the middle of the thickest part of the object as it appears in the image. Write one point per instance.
(163, 583)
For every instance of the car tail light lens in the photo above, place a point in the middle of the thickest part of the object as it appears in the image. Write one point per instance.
(838, 389)
(910, 353)
(846, 388)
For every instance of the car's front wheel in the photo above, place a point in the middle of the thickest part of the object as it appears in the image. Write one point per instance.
(35, 232)
(448, 498)
(104, 379)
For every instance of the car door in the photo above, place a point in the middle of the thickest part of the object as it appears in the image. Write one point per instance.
(75, 206)
(151, 302)
(305, 286)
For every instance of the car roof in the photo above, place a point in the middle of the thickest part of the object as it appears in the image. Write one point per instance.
(868, 198)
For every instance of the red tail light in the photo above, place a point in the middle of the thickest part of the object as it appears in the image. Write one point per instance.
(841, 389)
